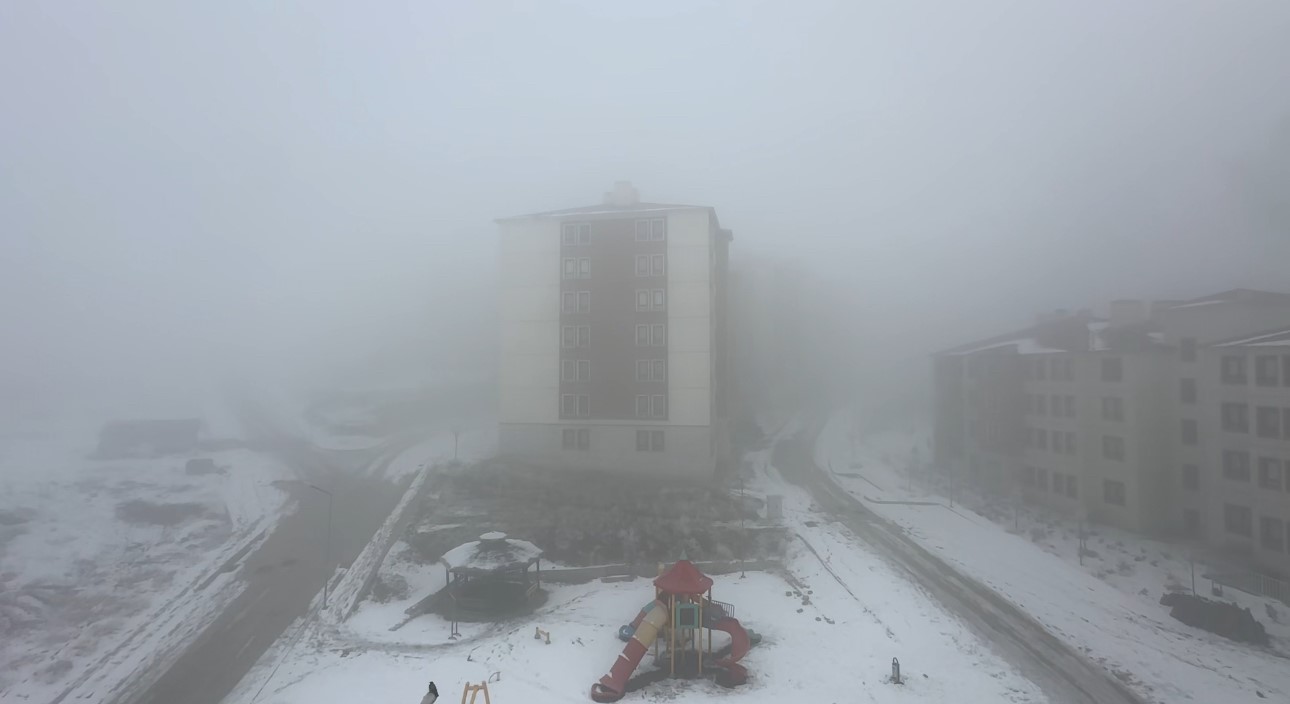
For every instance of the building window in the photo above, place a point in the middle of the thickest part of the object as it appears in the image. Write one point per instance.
(651, 370)
(650, 299)
(1269, 473)
(1187, 349)
(1187, 390)
(575, 302)
(584, 370)
(1236, 418)
(1041, 405)
(575, 234)
(1112, 369)
(584, 267)
(1236, 465)
(1272, 533)
(568, 370)
(1041, 479)
(1040, 367)
(1068, 403)
(1233, 371)
(584, 336)
(584, 406)
(568, 405)
(1070, 443)
(1191, 477)
(654, 230)
(569, 336)
(1028, 476)
(651, 335)
(1113, 447)
(1190, 435)
(649, 440)
(1191, 523)
(1267, 421)
(651, 406)
(577, 267)
(576, 439)
(1112, 408)
(1072, 487)
(1041, 438)
(1113, 492)
(1063, 369)
(1238, 520)
(651, 265)
(1266, 370)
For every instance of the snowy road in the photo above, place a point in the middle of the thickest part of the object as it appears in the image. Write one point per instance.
(284, 574)
(1065, 676)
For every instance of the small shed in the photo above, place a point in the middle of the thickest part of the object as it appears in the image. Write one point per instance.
(493, 575)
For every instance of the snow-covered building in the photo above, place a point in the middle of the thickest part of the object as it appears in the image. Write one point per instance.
(614, 350)
(1115, 417)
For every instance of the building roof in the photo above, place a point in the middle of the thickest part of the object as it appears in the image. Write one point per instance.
(1275, 338)
(1236, 295)
(683, 578)
(493, 552)
(608, 209)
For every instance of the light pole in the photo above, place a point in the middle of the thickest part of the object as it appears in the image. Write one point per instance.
(331, 500)
(456, 435)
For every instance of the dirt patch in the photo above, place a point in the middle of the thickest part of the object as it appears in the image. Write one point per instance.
(142, 512)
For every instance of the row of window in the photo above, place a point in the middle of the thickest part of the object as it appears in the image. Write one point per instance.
(651, 370)
(1064, 484)
(1112, 408)
(651, 265)
(575, 406)
(1274, 533)
(575, 302)
(1058, 369)
(576, 267)
(1269, 421)
(647, 335)
(580, 439)
(1236, 467)
(651, 406)
(1269, 370)
(1063, 442)
(580, 370)
(579, 233)
(573, 234)
(650, 300)
(575, 370)
(1060, 406)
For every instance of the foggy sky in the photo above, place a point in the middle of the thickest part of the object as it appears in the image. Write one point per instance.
(202, 189)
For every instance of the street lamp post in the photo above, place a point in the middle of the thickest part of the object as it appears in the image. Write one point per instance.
(331, 500)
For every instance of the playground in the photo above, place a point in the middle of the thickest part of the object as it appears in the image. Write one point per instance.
(829, 622)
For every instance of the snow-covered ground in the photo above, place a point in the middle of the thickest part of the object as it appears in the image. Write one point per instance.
(1108, 607)
(102, 562)
(832, 621)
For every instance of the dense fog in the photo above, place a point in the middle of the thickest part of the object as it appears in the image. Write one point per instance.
(217, 192)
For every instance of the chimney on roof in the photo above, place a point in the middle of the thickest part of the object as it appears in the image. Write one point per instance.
(623, 195)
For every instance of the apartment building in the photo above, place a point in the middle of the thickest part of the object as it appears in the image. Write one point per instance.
(1243, 502)
(614, 352)
(1121, 418)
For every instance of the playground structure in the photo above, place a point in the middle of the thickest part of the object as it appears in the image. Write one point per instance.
(675, 620)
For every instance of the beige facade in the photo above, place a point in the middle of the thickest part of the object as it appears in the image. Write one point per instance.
(1121, 419)
(574, 300)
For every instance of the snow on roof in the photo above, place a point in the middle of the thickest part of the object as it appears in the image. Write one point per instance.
(1278, 338)
(493, 552)
(1024, 345)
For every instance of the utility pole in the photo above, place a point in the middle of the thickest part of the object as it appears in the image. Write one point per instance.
(743, 522)
(331, 500)
(456, 435)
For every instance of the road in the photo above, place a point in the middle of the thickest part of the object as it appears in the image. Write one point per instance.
(1065, 676)
(284, 574)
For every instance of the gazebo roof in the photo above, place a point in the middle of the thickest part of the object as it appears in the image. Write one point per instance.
(492, 553)
(683, 578)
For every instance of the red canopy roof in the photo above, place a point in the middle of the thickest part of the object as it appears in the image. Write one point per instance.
(683, 578)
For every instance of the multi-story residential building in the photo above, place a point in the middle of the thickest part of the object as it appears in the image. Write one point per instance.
(1243, 502)
(1121, 419)
(614, 351)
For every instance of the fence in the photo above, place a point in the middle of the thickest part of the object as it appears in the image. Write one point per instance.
(1253, 583)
